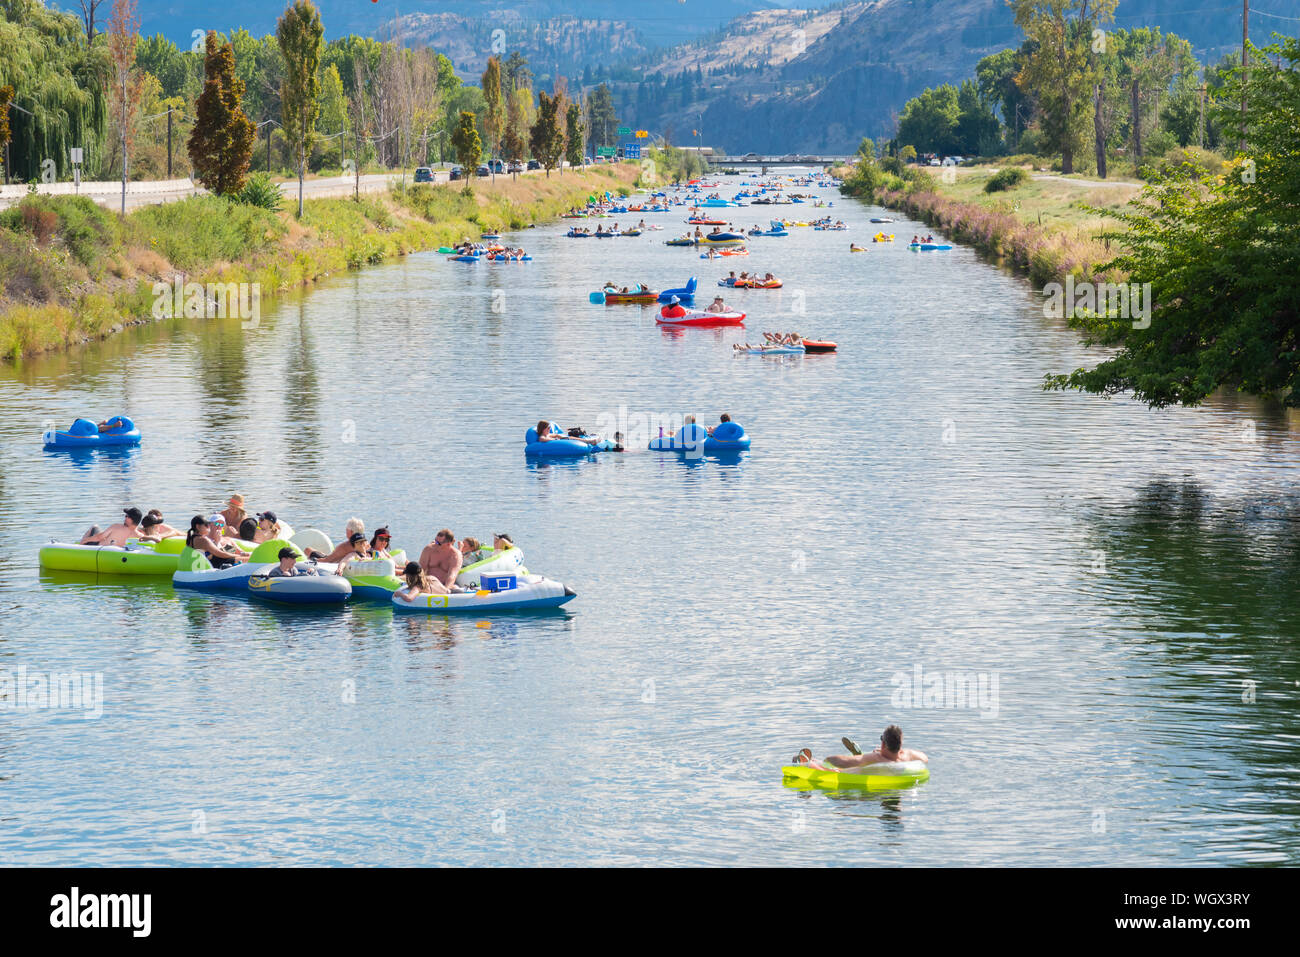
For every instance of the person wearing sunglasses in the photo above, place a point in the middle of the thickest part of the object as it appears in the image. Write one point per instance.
(442, 560)
(379, 544)
(203, 538)
(891, 749)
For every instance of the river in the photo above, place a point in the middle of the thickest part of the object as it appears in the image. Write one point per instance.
(1120, 580)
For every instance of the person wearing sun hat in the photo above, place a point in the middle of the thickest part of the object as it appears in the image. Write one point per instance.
(234, 513)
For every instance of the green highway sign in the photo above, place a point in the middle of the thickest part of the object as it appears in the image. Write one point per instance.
(606, 151)
(625, 131)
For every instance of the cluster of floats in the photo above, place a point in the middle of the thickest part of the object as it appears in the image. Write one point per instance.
(727, 438)
(678, 310)
(498, 582)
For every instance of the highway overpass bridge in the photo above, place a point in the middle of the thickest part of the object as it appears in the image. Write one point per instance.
(790, 159)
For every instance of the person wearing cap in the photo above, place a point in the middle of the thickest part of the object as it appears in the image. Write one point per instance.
(441, 559)
(117, 534)
(288, 567)
(268, 528)
(674, 309)
(418, 583)
(203, 538)
(358, 550)
(154, 529)
(234, 512)
(379, 544)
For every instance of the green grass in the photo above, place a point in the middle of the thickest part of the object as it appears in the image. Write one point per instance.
(91, 274)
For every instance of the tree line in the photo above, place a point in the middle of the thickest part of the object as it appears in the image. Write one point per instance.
(1078, 90)
(134, 104)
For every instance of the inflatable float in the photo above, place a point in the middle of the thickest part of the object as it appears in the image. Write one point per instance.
(374, 578)
(819, 345)
(872, 777)
(137, 558)
(564, 448)
(727, 437)
(84, 434)
(772, 351)
(501, 258)
(704, 320)
(724, 252)
(506, 593)
(685, 293)
(612, 297)
(689, 438)
(509, 561)
(465, 259)
(318, 589)
(680, 241)
(927, 247)
(193, 570)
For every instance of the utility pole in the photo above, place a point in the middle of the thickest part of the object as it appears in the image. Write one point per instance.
(1245, 65)
(1201, 125)
(169, 142)
(1137, 122)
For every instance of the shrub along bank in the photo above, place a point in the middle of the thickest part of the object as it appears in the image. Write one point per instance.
(71, 272)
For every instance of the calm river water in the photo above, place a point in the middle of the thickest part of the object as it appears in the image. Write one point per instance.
(1121, 579)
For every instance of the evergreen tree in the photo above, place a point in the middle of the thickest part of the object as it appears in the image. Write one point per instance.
(547, 138)
(469, 148)
(494, 116)
(221, 143)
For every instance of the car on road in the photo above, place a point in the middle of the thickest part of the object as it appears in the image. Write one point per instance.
(496, 166)
(483, 170)
(533, 164)
(456, 173)
(515, 168)
(586, 161)
(423, 174)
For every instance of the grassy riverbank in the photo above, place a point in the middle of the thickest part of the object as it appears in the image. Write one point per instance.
(72, 272)
(1046, 226)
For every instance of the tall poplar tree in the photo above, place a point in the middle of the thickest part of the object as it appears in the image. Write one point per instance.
(300, 35)
(494, 117)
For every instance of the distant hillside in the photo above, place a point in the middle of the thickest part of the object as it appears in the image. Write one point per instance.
(662, 21)
(818, 80)
(558, 46)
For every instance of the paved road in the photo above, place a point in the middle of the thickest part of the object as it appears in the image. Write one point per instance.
(167, 191)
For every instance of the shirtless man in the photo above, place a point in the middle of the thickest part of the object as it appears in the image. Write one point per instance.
(891, 749)
(115, 534)
(441, 559)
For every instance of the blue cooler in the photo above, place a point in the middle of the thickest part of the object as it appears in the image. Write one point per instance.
(498, 582)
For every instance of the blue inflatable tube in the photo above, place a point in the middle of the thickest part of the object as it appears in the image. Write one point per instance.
(689, 438)
(727, 437)
(562, 448)
(684, 293)
(85, 434)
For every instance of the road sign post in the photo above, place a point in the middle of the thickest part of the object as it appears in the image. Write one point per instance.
(76, 154)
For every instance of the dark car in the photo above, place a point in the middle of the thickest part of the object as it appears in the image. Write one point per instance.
(423, 174)
(533, 164)
(456, 173)
(483, 171)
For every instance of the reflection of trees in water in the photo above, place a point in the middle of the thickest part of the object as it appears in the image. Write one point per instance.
(1213, 578)
(300, 397)
(1208, 563)
(221, 374)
